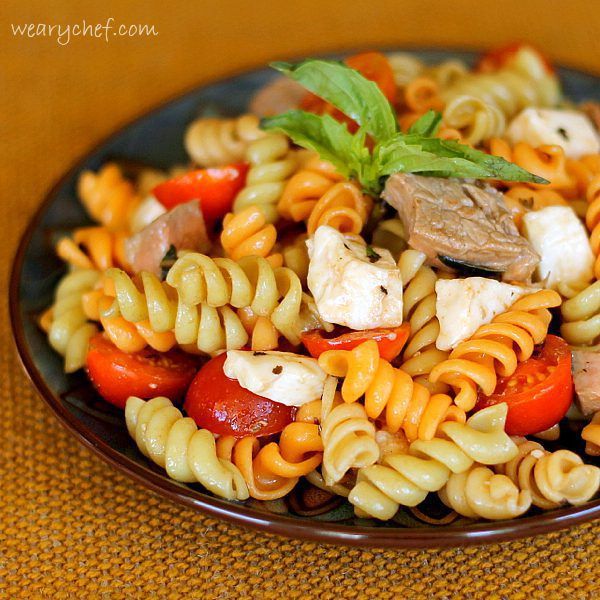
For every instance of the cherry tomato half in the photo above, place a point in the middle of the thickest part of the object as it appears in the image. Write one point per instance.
(539, 392)
(389, 340)
(146, 374)
(216, 189)
(496, 59)
(224, 407)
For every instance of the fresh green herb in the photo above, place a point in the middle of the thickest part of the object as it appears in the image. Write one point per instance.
(168, 261)
(387, 151)
(372, 255)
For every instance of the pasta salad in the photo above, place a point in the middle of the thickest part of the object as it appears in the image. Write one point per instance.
(383, 280)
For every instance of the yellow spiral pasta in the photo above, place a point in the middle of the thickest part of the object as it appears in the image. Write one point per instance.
(407, 67)
(479, 492)
(175, 443)
(551, 478)
(66, 323)
(248, 233)
(318, 195)
(406, 479)
(94, 248)
(419, 301)
(108, 197)
(390, 392)
(212, 142)
(272, 471)
(272, 163)
(480, 103)
(476, 363)
(591, 434)
(347, 434)
(295, 256)
(206, 291)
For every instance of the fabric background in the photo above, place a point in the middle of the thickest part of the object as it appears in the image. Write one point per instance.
(70, 526)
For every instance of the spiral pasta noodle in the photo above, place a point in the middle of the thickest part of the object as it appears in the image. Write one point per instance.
(295, 256)
(591, 435)
(108, 197)
(405, 479)
(520, 199)
(476, 363)
(551, 478)
(347, 434)
(419, 308)
(94, 248)
(213, 142)
(272, 163)
(175, 443)
(407, 67)
(66, 323)
(318, 195)
(272, 471)
(408, 405)
(479, 492)
(480, 103)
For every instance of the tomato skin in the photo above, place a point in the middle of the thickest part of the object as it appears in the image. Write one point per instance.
(537, 407)
(390, 341)
(224, 407)
(372, 65)
(216, 189)
(116, 375)
(495, 59)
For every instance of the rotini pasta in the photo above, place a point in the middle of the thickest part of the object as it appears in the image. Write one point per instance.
(551, 478)
(408, 405)
(108, 197)
(475, 363)
(65, 322)
(175, 443)
(272, 163)
(406, 479)
(591, 434)
(212, 141)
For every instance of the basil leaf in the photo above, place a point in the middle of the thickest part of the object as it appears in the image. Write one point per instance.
(168, 260)
(496, 167)
(357, 97)
(427, 125)
(321, 133)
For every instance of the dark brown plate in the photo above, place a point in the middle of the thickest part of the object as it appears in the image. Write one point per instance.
(156, 139)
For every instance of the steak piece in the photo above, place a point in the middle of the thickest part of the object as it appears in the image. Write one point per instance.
(455, 221)
(586, 377)
(182, 227)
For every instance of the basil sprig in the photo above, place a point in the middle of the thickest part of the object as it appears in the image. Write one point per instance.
(387, 151)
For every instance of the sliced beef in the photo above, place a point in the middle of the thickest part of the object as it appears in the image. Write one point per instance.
(276, 97)
(586, 376)
(182, 227)
(454, 221)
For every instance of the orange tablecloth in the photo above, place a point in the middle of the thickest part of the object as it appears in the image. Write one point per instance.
(70, 526)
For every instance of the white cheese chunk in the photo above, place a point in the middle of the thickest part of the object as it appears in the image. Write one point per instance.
(463, 305)
(148, 210)
(283, 377)
(567, 128)
(560, 238)
(353, 286)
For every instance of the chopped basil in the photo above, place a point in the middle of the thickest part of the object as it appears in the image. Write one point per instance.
(372, 255)
(384, 290)
(563, 133)
(168, 261)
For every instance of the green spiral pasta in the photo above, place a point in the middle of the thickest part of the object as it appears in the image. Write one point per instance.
(68, 328)
(272, 163)
(187, 453)
(406, 479)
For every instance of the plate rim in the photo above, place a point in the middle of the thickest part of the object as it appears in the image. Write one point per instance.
(238, 514)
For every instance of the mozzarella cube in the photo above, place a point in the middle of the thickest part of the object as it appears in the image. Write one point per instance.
(560, 238)
(283, 377)
(353, 284)
(463, 305)
(567, 128)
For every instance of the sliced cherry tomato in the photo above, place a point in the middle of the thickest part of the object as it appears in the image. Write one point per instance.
(496, 59)
(374, 66)
(216, 189)
(539, 392)
(390, 340)
(224, 407)
(146, 374)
